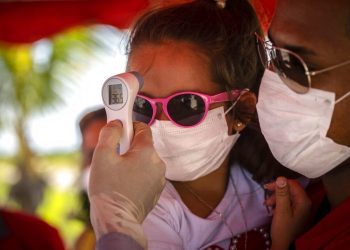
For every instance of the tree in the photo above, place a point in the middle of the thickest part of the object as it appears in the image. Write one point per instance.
(31, 77)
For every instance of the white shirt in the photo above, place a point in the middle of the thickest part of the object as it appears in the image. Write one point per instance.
(171, 225)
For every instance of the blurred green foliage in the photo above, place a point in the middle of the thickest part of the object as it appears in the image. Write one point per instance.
(32, 79)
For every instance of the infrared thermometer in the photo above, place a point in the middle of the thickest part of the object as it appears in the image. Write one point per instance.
(118, 95)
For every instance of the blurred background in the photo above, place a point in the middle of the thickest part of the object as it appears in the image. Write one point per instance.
(45, 88)
(54, 58)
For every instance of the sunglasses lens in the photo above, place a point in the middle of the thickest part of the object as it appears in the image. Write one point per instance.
(142, 110)
(290, 69)
(186, 109)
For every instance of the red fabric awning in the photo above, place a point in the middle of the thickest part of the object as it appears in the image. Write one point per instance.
(30, 20)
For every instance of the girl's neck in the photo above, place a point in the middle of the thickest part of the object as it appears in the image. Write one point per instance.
(203, 195)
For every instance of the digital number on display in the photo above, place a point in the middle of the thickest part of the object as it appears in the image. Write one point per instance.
(115, 94)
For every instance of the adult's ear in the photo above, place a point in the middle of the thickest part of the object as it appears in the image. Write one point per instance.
(244, 110)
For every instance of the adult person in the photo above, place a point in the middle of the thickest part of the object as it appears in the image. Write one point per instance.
(303, 115)
(90, 124)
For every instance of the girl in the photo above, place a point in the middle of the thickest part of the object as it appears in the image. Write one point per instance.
(198, 59)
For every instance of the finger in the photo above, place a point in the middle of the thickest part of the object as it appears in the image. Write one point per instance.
(143, 141)
(270, 186)
(142, 136)
(110, 135)
(283, 200)
(299, 197)
(296, 190)
(270, 201)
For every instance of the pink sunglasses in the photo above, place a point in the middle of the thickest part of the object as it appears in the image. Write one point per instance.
(184, 109)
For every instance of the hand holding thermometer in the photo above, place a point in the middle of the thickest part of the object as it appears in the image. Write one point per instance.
(118, 94)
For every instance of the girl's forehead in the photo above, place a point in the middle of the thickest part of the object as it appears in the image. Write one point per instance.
(169, 47)
(172, 67)
(174, 56)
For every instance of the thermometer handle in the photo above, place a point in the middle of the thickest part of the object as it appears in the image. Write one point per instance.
(119, 103)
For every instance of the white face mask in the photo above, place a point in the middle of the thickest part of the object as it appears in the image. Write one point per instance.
(190, 153)
(295, 127)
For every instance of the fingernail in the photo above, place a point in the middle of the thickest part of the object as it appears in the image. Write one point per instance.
(281, 182)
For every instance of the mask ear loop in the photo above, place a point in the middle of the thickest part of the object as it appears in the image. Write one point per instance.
(342, 97)
(235, 102)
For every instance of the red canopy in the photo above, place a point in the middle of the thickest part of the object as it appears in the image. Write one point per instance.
(28, 21)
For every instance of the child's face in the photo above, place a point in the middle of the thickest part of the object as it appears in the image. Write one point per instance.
(172, 67)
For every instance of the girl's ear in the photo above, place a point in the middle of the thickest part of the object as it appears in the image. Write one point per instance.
(238, 126)
(244, 110)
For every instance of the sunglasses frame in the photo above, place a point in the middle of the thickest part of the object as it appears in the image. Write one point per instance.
(269, 48)
(208, 99)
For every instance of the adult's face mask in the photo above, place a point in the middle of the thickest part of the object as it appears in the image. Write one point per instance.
(295, 127)
(190, 153)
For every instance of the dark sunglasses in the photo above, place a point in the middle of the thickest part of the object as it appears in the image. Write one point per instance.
(184, 109)
(291, 68)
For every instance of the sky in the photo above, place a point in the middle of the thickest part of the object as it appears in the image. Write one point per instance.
(56, 130)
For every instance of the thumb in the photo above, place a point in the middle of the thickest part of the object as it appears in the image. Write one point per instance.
(110, 135)
(103, 160)
(283, 199)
